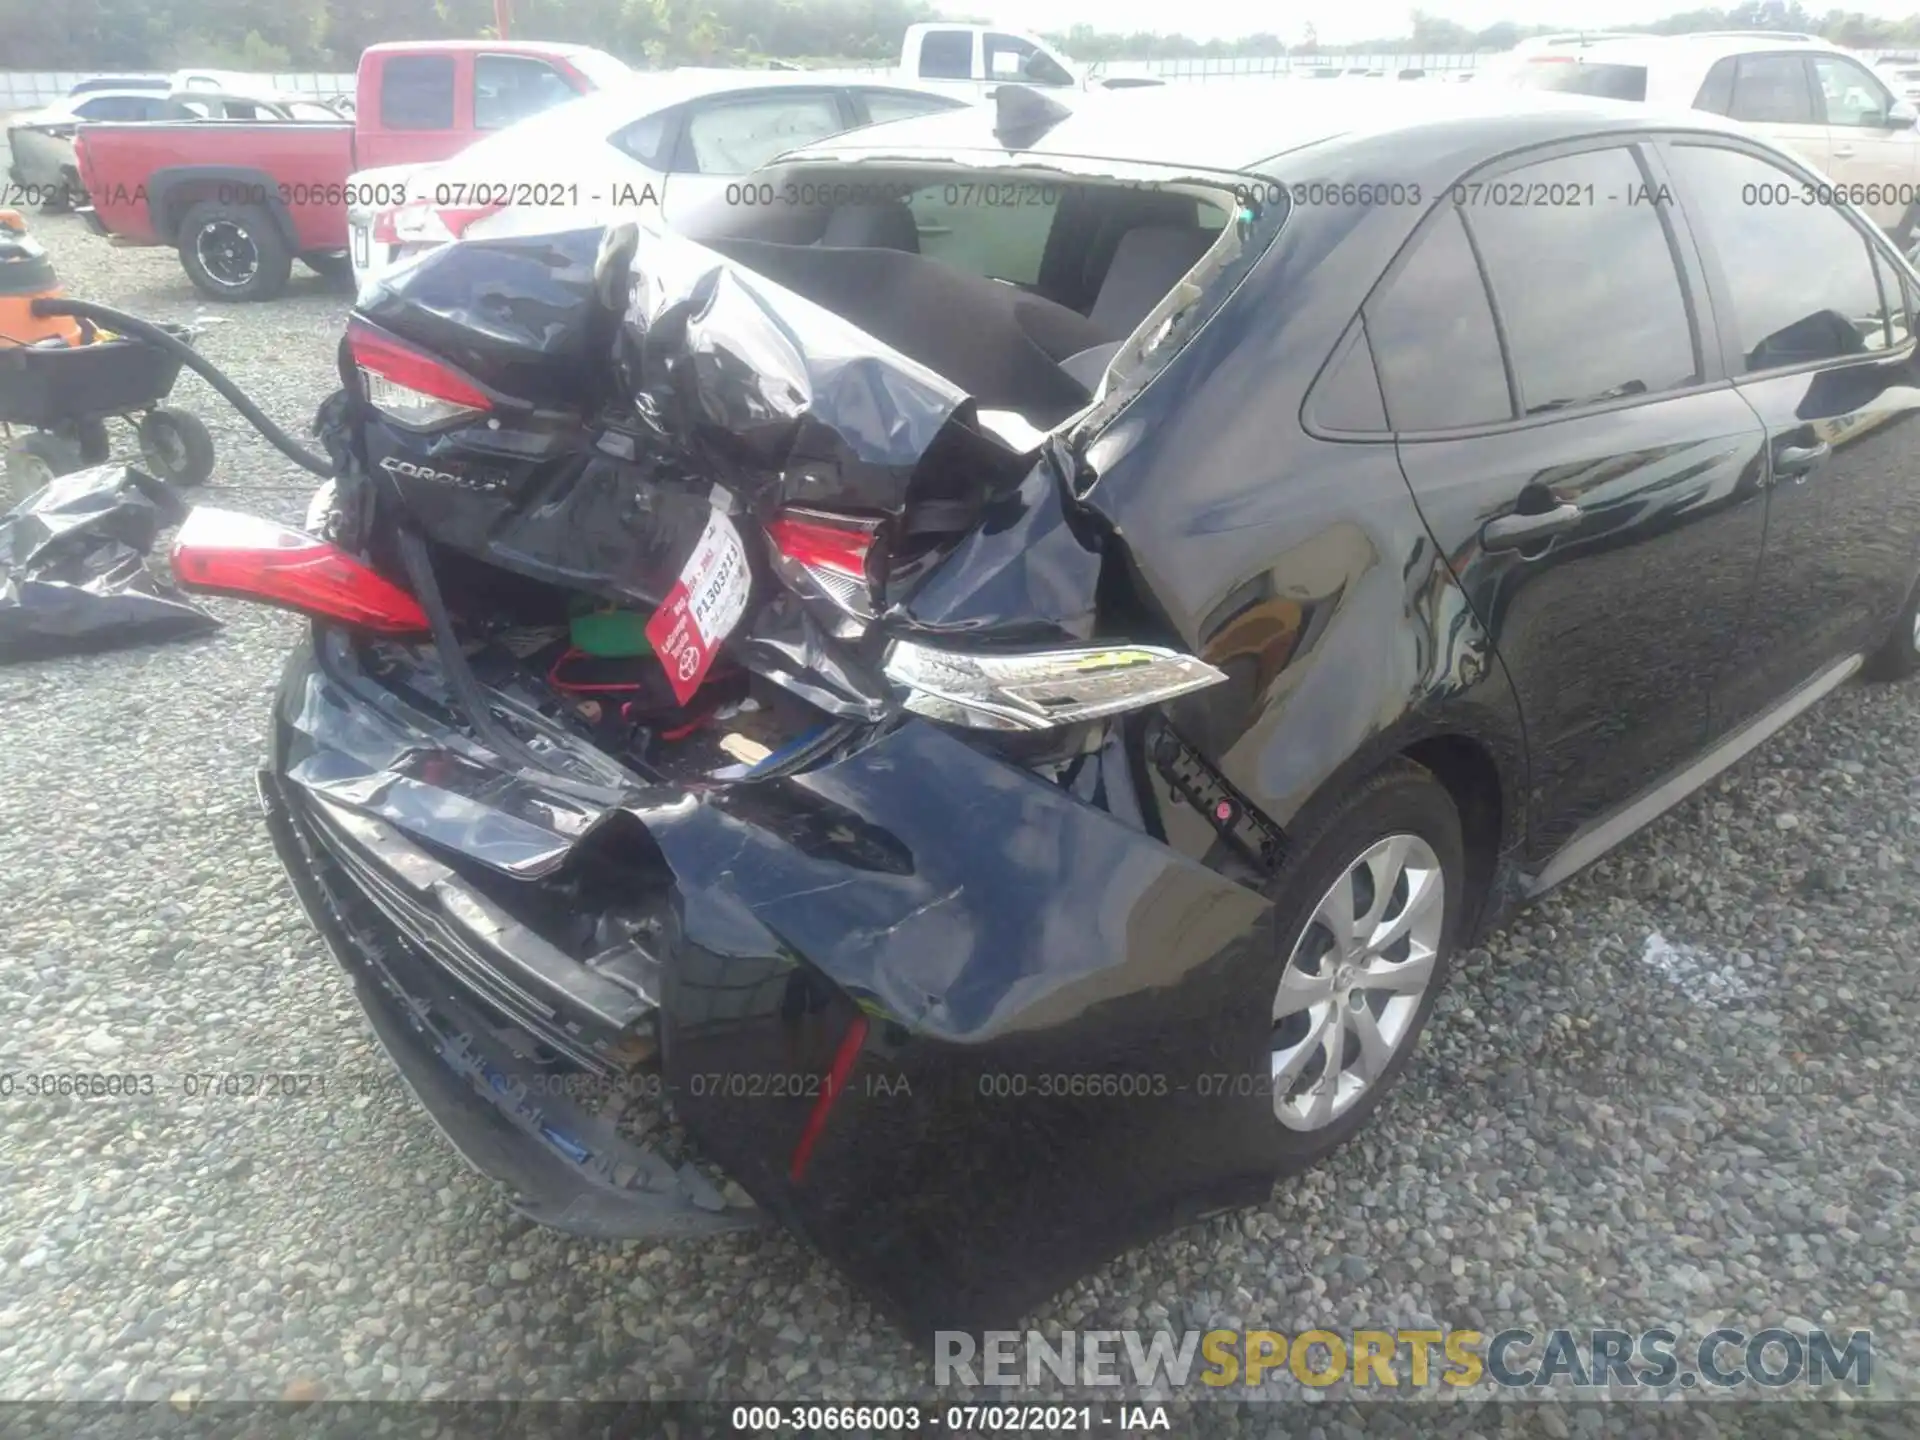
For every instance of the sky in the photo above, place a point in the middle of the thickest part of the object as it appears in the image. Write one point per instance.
(1346, 21)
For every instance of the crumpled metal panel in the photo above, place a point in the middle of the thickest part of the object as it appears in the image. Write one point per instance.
(73, 572)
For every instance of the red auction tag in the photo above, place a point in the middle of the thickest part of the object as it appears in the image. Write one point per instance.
(706, 602)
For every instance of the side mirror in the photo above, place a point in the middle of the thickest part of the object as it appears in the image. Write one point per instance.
(1902, 115)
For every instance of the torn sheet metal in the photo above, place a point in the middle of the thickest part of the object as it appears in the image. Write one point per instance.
(73, 572)
(713, 376)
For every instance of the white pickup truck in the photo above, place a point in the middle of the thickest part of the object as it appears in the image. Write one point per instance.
(977, 58)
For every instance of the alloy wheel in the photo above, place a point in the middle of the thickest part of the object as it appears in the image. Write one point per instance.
(227, 253)
(1352, 989)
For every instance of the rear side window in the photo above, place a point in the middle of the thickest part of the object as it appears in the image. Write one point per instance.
(1433, 338)
(1604, 81)
(883, 105)
(507, 88)
(1585, 280)
(1716, 91)
(1347, 398)
(416, 92)
(1800, 277)
(947, 54)
(650, 139)
(1772, 89)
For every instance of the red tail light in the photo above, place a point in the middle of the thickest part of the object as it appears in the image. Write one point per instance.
(835, 553)
(409, 385)
(824, 542)
(221, 552)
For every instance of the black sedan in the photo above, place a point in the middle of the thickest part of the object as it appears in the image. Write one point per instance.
(967, 703)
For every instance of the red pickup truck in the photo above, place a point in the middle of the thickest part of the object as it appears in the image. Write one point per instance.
(240, 200)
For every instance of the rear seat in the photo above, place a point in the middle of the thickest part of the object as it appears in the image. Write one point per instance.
(1146, 263)
(1007, 347)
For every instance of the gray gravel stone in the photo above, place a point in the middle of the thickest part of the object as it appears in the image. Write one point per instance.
(1595, 1133)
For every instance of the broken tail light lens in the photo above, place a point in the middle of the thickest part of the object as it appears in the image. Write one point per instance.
(222, 552)
(1042, 689)
(420, 222)
(409, 386)
(837, 553)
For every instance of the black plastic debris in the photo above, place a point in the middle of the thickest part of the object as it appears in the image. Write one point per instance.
(73, 567)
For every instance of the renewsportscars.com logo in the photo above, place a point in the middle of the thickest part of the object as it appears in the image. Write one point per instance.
(1516, 1359)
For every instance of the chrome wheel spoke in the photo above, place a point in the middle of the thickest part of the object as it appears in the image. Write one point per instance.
(1425, 890)
(1334, 1037)
(1299, 990)
(1384, 865)
(1336, 913)
(1403, 977)
(1290, 1060)
(1376, 1052)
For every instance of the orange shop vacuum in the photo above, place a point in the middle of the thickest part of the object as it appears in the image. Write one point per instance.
(62, 377)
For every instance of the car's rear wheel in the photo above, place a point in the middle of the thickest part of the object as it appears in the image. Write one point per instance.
(1899, 654)
(1369, 910)
(234, 252)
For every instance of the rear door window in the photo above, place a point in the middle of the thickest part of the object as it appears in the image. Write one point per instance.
(1773, 89)
(1011, 58)
(416, 92)
(1434, 338)
(507, 88)
(1589, 295)
(738, 133)
(947, 55)
(1800, 278)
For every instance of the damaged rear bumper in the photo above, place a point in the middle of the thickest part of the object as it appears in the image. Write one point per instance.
(965, 1031)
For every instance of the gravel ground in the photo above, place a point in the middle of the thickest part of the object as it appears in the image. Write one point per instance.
(1595, 1132)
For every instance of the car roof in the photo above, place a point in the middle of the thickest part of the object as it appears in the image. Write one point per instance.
(1692, 49)
(1237, 127)
(650, 91)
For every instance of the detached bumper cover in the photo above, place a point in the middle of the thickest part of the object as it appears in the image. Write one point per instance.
(1051, 996)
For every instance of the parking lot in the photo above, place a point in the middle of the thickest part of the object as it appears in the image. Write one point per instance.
(1680, 1091)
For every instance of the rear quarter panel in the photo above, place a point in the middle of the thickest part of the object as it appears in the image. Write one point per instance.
(1300, 565)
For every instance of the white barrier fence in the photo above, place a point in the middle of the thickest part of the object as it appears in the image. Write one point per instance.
(29, 89)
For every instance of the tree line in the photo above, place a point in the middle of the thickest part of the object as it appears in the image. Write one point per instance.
(330, 34)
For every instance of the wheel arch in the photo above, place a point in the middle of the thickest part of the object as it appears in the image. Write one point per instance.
(174, 190)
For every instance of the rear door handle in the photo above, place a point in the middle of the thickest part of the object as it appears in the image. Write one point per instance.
(1799, 461)
(1517, 532)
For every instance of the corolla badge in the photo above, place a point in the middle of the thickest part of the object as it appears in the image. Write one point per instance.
(395, 466)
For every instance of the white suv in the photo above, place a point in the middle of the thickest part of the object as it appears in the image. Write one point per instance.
(1808, 96)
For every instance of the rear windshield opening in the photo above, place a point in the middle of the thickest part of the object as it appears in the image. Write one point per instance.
(1581, 77)
(1018, 289)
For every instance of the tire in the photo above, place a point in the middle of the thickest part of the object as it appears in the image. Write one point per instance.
(35, 461)
(1898, 657)
(334, 265)
(176, 446)
(1405, 809)
(234, 252)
